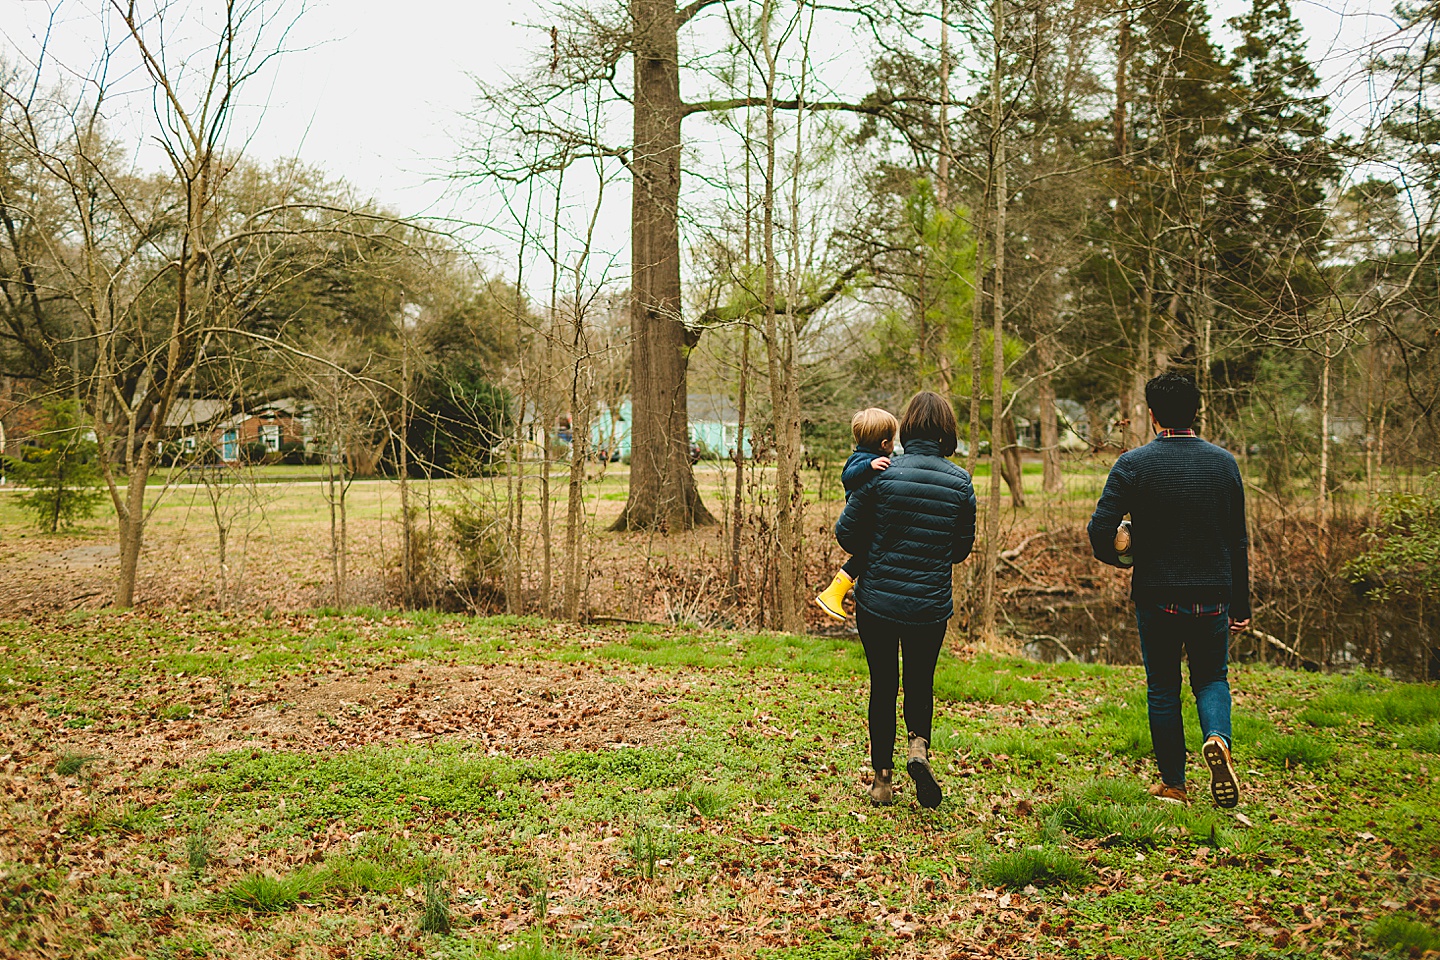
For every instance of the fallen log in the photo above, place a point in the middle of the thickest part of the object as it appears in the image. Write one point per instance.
(1311, 666)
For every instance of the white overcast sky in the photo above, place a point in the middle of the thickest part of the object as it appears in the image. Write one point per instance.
(373, 89)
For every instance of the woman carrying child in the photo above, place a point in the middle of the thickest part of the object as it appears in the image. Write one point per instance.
(908, 524)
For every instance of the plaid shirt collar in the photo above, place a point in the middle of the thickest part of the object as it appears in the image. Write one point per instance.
(1166, 433)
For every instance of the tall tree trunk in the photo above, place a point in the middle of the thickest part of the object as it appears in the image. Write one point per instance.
(132, 534)
(337, 591)
(1370, 474)
(1139, 412)
(942, 165)
(1324, 492)
(977, 326)
(1053, 481)
(989, 598)
(407, 519)
(341, 587)
(781, 361)
(545, 552)
(579, 453)
(663, 493)
(738, 510)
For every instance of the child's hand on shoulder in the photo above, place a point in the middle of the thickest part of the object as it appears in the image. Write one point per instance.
(879, 463)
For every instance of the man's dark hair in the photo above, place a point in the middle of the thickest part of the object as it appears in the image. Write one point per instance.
(929, 416)
(1174, 399)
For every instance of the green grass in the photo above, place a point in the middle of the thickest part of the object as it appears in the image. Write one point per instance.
(70, 764)
(1383, 700)
(983, 681)
(1121, 813)
(740, 821)
(1424, 739)
(383, 872)
(1037, 866)
(1297, 750)
(1405, 933)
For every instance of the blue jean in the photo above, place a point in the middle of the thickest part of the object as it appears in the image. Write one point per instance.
(1206, 641)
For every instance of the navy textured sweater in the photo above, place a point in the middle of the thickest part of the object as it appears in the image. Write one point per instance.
(1187, 511)
(910, 523)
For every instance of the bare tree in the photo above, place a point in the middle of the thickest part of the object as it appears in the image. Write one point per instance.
(156, 269)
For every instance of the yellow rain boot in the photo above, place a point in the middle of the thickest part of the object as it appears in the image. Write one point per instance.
(832, 598)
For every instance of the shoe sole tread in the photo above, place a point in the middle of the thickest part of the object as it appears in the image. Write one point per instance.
(1224, 789)
(927, 791)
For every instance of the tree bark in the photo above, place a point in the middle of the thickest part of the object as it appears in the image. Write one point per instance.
(579, 454)
(1011, 465)
(989, 598)
(784, 387)
(1139, 413)
(1324, 492)
(663, 494)
(407, 529)
(737, 512)
(1054, 481)
(132, 535)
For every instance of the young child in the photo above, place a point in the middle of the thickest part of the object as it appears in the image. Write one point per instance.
(874, 431)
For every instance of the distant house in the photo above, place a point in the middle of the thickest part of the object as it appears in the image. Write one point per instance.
(275, 425)
(714, 426)
(196, 422)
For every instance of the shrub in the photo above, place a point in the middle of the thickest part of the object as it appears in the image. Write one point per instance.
(479, 539)
(255, 452)
(1404, 554)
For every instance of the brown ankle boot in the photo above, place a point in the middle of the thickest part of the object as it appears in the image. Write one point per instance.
(882, 790)
(927, 791)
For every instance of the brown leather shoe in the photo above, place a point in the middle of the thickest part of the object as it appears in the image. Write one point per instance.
(1224, 785)
(927, 791)
(882, 788)
(1164, 791)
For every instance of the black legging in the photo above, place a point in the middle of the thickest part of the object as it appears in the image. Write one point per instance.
(918, 647)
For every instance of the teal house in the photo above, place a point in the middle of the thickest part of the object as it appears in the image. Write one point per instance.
(714, 425)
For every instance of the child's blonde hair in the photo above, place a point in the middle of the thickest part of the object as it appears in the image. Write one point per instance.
(873, 425)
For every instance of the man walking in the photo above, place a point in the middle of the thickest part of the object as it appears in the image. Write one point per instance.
(1191, 580)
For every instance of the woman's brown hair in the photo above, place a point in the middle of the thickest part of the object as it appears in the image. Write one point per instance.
(929, 416)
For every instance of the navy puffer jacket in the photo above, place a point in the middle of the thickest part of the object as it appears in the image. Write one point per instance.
(910, 523)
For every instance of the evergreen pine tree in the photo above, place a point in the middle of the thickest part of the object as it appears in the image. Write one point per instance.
(60, 473)
(1277, 164)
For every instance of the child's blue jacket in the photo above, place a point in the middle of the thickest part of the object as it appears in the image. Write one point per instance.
(857, 469)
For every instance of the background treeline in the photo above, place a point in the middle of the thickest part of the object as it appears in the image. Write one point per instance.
(1031, 207)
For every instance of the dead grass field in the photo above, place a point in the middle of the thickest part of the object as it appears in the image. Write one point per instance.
(279, 554)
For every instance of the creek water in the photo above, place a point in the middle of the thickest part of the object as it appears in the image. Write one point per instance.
(1334, 628)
